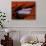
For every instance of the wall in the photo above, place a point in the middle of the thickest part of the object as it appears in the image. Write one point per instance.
(5, 6)
(36, 25)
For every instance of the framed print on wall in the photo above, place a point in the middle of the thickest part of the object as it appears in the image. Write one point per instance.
(23, 10)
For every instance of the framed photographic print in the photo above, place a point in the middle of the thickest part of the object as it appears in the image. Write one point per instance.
(23, 10)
